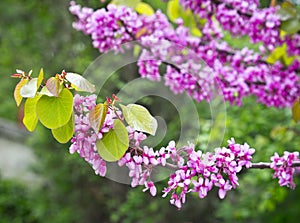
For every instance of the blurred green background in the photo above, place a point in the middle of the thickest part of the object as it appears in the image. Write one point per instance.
(39, 33)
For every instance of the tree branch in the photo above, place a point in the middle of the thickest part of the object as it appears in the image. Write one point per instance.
(172, 167)
(259, 165)
(265, 165)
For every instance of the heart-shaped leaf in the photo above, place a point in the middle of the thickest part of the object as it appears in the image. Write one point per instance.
(53, 86)
(80, 83)
(115, 143)
(30, 119)
(97, 116)
(29, 89)
(54, 112)
(139, 118)
(64, 134)
(17, 94)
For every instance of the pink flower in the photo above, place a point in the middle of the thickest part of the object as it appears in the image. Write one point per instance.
(150, 185)
(283, 168)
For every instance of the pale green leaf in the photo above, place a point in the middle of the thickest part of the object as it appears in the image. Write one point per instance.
(280, 53)
(45, 91)
(40, 78)
(29, 89)
(291, 26)
(286, 11)
(30, 119)
(173, 10)
(144, 8)
(64, 134)
(53, 86)
(17, 95)
(54, 112)
(136, 50)
(115, 143)
(80, 83)
(139, 118)
(97, 116)
(195, 31)
(128, 3)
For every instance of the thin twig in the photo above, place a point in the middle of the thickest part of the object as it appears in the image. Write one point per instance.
(265, 165)
(172, 167)
(259, 165)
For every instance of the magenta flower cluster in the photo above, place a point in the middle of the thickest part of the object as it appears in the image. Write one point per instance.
(284, 171)
(196, 171)
(241, 17)
(203, 171)
(141, 161)
(200, 66)
(84, 139)
(246, 18)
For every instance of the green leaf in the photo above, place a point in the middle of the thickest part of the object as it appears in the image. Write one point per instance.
(173, 10)
(54, 112)
(136, 50)
(29, 89)
(97, 116)
(115, 143)
(280, 53)
(129, 3)
(296, 110)
(144, 8)
(80, 83)
(291, 26)
(30, 119)
(45, 91)
(17, 94)
(53, 86)
(64, 134)
(139, 118)
(286, 11)
(40, 77)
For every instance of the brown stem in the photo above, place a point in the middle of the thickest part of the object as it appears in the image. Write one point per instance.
(264, 165)
(273, 3)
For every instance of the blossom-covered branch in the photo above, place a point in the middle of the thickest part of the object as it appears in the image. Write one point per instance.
(238, 73)
(196, 65)
(192, 169)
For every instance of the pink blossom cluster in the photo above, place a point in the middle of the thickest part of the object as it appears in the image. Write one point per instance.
(106, 27)
(113, 26)
(245, 17)
(142, 161)
(284, 171)
(293, 44)
(241, 17)
(200, 65)
(203, 171)
(84, 139)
